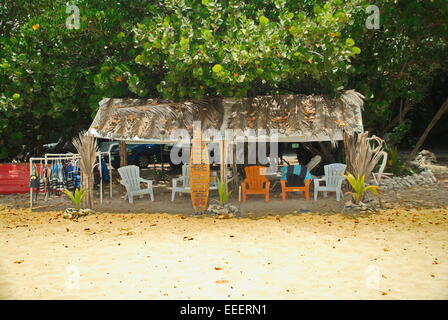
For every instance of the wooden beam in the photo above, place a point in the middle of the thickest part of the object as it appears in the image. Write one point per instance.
(123, 153)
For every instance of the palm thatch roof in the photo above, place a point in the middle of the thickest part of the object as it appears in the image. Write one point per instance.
(296, 117)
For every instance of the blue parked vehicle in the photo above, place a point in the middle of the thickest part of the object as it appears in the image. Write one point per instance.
(140, 155)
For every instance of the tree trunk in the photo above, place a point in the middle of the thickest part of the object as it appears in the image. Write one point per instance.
(161, 158)
(398, 118)
(87, 185)
(437, 116)
(123, 153)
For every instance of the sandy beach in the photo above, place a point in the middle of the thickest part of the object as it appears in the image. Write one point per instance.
(397, 253)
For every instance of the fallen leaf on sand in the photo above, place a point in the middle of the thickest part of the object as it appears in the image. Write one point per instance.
(383, 293)
(188, 238)
(218, 268)
(222, 281)
(19, 261)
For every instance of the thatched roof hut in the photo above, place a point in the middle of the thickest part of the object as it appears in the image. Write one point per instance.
(298, 118)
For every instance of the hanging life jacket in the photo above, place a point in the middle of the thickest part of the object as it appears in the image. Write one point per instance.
(34, 180)
(104, 171)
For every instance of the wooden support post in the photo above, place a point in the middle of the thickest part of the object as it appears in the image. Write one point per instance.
(235, 181)
(223, 169)
(123, 153)
(161, 158)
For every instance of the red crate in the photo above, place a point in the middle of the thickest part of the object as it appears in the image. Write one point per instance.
(14, 178)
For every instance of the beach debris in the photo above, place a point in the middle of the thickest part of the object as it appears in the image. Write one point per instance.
(361, 206)
(222, 281)
(225, 216)
(19, 261)
(223, 211)
(426, 177)
(425, 157)
(68, 213)
(72, 213)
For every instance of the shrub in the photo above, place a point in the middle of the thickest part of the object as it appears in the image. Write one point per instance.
(224, 195)
(76, 197)
(359, 187)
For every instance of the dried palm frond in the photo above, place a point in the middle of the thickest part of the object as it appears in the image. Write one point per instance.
(304, 115)
(353, 98)
(362, 153)
(87, 149)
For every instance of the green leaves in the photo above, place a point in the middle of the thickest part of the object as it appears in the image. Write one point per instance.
(224, 195)
(233, 56)
(359, 188)
(350, 42)
(54, 77)
(217, 68)
(356, 50)
(264, 20)
(76, 197)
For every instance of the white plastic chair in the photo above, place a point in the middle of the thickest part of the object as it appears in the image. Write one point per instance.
(184, 181)
(273, 166)
(313, 162)
(130, 178)
(333, 180)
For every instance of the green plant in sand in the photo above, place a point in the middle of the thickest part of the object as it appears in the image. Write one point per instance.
(224, 195)
(359, 189)
(396, 164)
(76, 197)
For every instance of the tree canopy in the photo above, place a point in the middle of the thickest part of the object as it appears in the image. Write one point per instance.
(231, 48)
(52, 77)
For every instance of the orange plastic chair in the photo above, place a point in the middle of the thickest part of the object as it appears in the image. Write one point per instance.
(255, 183)
(305, 189)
